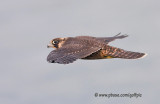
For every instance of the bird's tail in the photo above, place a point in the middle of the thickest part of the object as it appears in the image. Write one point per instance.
(113, 52)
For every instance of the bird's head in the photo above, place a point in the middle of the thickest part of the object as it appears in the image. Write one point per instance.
(56, 43)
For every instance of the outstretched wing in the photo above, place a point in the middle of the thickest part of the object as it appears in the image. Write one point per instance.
(70, 53)
(109, 39)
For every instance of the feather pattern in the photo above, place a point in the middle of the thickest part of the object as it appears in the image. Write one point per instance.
(68, 54)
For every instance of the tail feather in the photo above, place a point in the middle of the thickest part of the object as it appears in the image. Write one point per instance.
(120, 53)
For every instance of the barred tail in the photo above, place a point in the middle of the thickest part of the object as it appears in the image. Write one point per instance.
(120, 53)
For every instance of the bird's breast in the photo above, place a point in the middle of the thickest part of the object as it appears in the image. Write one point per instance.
(101, 54)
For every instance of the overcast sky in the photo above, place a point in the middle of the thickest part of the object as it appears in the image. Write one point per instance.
(27, 26)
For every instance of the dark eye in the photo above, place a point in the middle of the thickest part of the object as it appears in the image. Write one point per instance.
(55, 42)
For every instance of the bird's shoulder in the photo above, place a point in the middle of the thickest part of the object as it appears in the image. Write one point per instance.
(82, 41)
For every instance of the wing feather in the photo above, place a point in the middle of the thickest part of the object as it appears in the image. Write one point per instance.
(70, 53)
(109, 39)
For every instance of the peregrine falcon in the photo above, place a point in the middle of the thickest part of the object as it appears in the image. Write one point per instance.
(67, 50)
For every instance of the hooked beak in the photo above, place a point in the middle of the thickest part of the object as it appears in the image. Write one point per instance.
(50, 45)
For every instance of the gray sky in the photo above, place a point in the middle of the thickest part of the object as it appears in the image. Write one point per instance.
(27, 26)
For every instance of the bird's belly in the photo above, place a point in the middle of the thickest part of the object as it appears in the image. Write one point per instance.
(101, 54)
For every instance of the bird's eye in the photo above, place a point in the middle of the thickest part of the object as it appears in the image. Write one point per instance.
(54, 42)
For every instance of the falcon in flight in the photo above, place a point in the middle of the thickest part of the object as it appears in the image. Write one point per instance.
(67, 50)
